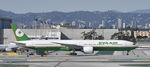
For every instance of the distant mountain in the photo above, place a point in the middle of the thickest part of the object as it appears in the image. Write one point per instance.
(142, 11)
(6, 13)
(84, 18)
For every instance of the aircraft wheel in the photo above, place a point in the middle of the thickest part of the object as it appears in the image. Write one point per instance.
(73, 53)
(128, 52)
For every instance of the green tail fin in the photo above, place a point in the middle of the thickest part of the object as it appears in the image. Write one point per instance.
(20, 36)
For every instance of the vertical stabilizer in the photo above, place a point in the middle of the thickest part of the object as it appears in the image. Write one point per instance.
(20, 36)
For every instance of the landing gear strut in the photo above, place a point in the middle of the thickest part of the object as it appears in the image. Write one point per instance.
(128, 52)
(73, 53)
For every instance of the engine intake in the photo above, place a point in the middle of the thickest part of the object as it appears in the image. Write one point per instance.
(88, 50)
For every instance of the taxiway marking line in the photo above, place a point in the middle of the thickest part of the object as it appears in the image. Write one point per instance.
(60, 63)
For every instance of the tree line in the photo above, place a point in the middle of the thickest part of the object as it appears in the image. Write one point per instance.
(92, 35)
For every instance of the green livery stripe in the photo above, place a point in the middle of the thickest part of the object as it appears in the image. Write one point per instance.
(49, 48)
(58, 48)
(19, 35)
(114, 48)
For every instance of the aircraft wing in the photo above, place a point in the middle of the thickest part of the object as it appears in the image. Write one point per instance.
(19, 43)
(70, 46)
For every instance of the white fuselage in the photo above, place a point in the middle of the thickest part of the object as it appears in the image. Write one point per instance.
(92, 43)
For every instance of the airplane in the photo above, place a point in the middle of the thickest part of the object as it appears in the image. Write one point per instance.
(8, 47)
(86, 46)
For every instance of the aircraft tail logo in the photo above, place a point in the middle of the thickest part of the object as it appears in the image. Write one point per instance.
(19, 35)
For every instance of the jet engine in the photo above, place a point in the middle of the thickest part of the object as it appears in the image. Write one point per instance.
(88, 50)
(8, 49)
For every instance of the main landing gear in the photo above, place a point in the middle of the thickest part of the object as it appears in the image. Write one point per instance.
(73, 53)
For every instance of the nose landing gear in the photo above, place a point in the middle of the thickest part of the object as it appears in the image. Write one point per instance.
(128, 52)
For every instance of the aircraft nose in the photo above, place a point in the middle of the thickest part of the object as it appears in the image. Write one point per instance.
(132, 43)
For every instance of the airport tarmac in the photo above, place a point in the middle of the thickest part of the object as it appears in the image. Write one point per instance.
(136, 58)
(118, 59)
(76, 61)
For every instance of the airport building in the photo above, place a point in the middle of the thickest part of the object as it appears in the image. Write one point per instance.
(7, 35)
(65, 34)
(142, 34)
(4, 24)
(139, 34)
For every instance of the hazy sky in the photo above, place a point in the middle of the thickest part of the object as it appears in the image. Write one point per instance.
(24, 6)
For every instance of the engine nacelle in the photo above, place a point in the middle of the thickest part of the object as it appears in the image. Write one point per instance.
(88, 50)
(8, 49)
